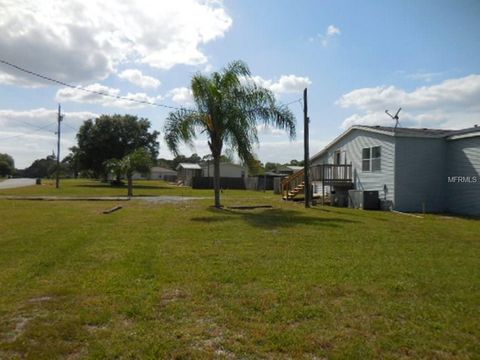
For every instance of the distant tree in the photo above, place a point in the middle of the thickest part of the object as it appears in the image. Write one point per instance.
(41, 168)
(255, 167)
(139, 160)
(165, 163)
(270, 166)
(7, 165)
(207, 157)
(113, 137)
(70, 163)
(193, 159)
(5, 169)
(295, 162)
(228, 107)
(177, 160)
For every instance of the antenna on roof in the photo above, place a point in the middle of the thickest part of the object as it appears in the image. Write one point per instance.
(394, 117)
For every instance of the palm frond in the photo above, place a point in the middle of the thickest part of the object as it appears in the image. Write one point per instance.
(180, 127)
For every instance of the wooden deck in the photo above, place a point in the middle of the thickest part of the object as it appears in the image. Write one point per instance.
(327, 174)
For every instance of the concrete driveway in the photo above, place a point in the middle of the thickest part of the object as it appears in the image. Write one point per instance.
(16, 183)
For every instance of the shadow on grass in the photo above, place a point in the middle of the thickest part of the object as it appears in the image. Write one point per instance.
(352, 212)
(272, 218)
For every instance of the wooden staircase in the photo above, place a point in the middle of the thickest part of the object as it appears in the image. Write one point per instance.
(327, 174)
(293, 185)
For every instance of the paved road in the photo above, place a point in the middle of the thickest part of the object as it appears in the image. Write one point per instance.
(16, 183)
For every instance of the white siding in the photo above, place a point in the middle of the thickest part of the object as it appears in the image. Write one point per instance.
(226, 170)
(420, 174)
(351, 149)
(463, 159)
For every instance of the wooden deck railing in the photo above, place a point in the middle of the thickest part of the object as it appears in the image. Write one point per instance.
(328, 174)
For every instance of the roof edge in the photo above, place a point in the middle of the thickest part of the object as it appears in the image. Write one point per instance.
(345, 133)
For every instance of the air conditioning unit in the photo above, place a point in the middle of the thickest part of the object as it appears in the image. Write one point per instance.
(339, 198)
(360, 199)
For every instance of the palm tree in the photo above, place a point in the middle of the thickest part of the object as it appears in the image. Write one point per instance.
(228, 106)
(139, 160)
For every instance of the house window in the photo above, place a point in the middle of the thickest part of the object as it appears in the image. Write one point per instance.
(366, 159)
(376, 158)
(371, 159)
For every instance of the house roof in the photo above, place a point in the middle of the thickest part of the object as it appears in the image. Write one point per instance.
(222, 164)
(189, 166)
(463, 135)
(405, 132)
(293, 168)
(409, 132)
(163, 170)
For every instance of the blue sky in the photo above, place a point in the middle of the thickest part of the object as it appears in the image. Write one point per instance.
(357, 59)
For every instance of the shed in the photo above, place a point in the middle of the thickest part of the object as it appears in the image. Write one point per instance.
(187, 171)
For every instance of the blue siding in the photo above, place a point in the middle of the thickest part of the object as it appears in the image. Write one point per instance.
(463, 160)
(351, 147)
(420, 174)
(415, 170)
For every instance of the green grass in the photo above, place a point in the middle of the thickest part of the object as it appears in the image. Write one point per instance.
(185, 281)
(86, 187)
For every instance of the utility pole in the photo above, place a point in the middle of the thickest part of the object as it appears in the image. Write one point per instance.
(59, 120)
(306, 164)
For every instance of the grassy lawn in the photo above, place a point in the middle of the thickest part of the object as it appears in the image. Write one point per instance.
(86, 187)
(185, 281)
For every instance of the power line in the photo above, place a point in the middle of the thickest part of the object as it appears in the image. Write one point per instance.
(70, 126)
(31, 125)
(118, 97)
(20, 135)
(299, 100)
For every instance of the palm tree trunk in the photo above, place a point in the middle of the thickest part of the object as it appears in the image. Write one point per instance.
(130, 185)
(216, 180)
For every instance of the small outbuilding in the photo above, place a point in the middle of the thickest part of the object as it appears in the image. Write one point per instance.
(187, 171)
(227, 170)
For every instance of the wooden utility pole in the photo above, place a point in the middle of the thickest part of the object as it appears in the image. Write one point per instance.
(306, 120)
(59, 120)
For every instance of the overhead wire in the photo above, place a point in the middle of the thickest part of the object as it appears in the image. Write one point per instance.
(78, 87)
(21, 135)
(101, 93)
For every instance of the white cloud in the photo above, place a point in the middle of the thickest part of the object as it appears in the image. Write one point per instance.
(136, 77)
(181, 95)
(284, 150)
(325, 38)
(265, 129)
(332, 30)
(290, 84)
(451, 104)
(424, 76)
(84, 41)
(286, 84)
(29, 135)
(80, 96)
